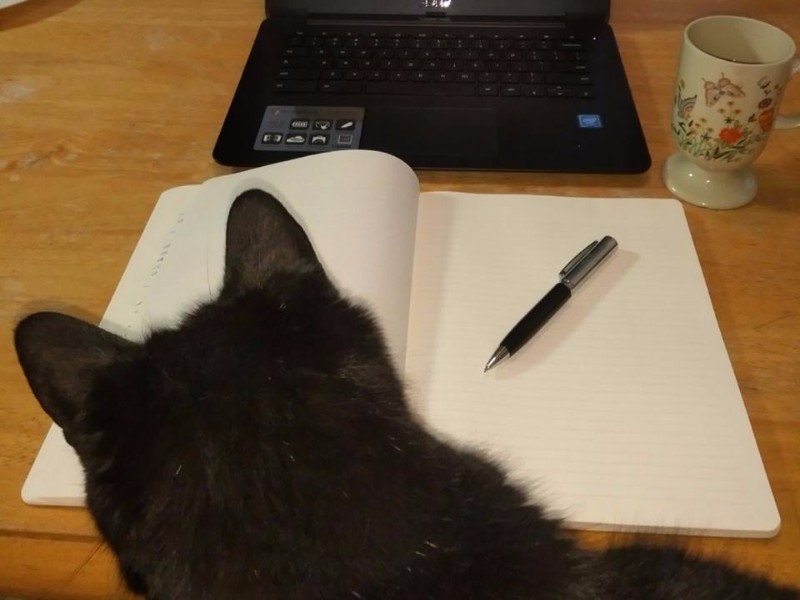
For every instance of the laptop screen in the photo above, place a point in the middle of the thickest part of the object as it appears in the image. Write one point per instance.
(489, 9)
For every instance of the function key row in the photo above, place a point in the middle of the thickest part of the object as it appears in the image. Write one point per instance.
(527, 34)
(479, 43)
(428, 54)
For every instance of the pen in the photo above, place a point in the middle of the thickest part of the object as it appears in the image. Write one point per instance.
(570, 277)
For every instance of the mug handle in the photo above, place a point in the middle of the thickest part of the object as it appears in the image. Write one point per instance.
(785, 122)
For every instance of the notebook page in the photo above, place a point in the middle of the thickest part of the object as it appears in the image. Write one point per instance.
(359, 209)
(623, 412)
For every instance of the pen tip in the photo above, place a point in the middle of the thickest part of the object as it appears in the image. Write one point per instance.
(498, 355)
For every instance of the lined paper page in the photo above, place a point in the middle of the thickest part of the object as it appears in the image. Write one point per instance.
(359, 209)
(623, 412)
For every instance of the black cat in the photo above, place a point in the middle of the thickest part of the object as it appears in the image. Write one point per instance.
(264, 450)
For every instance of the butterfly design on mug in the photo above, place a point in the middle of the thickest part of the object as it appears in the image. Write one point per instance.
(723, 87)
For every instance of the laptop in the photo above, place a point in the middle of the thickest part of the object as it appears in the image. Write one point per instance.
(518, 85)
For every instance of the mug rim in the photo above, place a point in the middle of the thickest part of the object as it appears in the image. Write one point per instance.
(792, 46)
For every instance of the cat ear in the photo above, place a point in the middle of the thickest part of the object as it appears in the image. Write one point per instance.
(262, 238)
(61, 357)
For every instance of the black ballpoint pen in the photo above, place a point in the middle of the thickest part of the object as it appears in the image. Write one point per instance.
(569, 278)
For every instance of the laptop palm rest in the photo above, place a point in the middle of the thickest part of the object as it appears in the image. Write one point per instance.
(467, 132)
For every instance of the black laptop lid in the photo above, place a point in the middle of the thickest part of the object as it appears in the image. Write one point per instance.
(579, 9)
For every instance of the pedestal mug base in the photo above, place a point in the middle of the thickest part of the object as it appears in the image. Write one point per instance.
(710, 189)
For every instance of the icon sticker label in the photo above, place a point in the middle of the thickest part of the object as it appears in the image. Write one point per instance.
(310, 128)
(590, 121)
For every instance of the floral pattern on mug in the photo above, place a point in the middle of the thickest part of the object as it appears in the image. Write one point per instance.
(736, 136)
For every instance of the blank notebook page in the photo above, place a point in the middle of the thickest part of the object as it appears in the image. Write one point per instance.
(623, 412)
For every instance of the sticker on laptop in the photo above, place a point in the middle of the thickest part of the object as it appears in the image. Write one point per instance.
(590, 121)
(310, 128)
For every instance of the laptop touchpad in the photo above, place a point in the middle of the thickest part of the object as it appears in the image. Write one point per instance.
(424, 131)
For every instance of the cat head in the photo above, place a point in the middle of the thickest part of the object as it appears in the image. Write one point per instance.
(205, 426)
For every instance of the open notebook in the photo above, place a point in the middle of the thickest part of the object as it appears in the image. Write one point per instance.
(623, 412)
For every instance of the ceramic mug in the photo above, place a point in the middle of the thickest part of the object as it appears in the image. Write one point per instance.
(731, 77)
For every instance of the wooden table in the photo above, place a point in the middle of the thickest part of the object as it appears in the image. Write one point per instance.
(105, 103)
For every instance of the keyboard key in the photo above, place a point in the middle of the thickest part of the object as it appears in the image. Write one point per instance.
(296, 52)
(572, 67)
(294, 86)
(534, 91)
(559, 91)
(299, 74)
(340, 87)
(487, 89)
(431, 88)
(295, 63)
(532, 77)
(568, 79)
(570, 45)
(511, 90)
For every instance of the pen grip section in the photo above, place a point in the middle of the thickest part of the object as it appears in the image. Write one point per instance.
(536, 317)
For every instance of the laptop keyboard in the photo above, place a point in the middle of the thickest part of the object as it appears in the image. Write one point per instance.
(527, 64)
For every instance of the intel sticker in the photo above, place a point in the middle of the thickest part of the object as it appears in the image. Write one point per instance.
(590, 121)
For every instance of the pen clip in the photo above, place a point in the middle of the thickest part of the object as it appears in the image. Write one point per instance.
(587, 261)
(578, 258)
